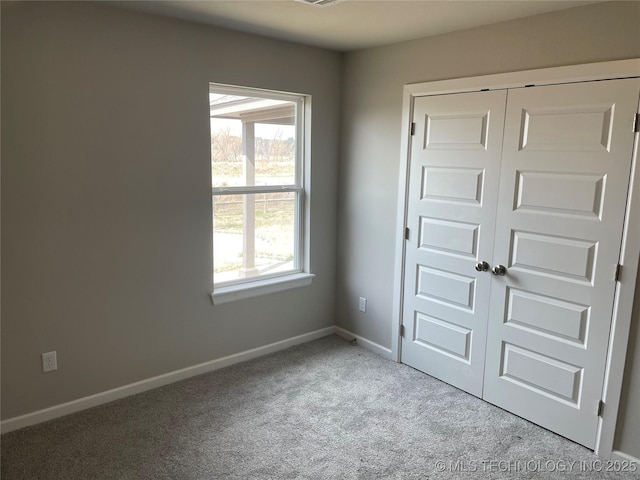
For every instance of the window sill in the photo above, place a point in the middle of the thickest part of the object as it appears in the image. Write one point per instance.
(232, 293)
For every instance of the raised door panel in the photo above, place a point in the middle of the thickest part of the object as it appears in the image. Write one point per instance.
(557, 319)
(563, 127)
(564, 194)
(447, 288)
(452, 185)
(570, 259)
(458, 131)
(541, 374)
(442, 336)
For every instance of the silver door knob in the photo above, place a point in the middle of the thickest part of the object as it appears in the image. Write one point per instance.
(482, 266)
(499, 270)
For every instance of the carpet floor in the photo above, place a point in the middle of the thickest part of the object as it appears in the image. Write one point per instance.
(321, 410)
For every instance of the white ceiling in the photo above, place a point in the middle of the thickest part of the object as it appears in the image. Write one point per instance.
(350, 24)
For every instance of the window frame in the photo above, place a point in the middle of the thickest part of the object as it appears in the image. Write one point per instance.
(300, 275)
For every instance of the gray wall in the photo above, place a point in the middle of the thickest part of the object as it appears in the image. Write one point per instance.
(371, 119)
(106, 197)
(628, 427)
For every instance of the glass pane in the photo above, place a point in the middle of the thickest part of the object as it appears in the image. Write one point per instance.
(253, 235)
(253, 141)
(275, 154)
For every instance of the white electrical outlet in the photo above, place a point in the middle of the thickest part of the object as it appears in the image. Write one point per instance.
(362, 304)
(49, 362)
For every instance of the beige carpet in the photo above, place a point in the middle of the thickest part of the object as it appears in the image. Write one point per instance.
(322, 410)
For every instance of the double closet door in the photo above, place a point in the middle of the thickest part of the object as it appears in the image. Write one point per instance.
(516, 204)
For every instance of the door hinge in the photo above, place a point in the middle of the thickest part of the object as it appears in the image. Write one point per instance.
(406, 233)
(636, 123)
(600, 408)
(402, 330)
(617, 273)
(413, 128)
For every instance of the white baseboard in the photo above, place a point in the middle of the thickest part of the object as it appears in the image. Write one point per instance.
(618, 456)
(56, 411)
(364, 343)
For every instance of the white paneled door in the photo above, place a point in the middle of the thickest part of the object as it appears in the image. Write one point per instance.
(563, 187)
(453, 186)
(539, 194)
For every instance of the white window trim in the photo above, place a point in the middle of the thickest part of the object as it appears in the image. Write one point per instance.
(301, 276)
(264, 286)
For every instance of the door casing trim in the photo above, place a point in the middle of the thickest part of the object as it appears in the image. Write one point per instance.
(630, 250)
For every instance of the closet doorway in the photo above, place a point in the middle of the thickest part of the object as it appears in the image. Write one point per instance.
(515, 212)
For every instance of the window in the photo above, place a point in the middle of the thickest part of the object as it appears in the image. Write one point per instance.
(258, 191)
